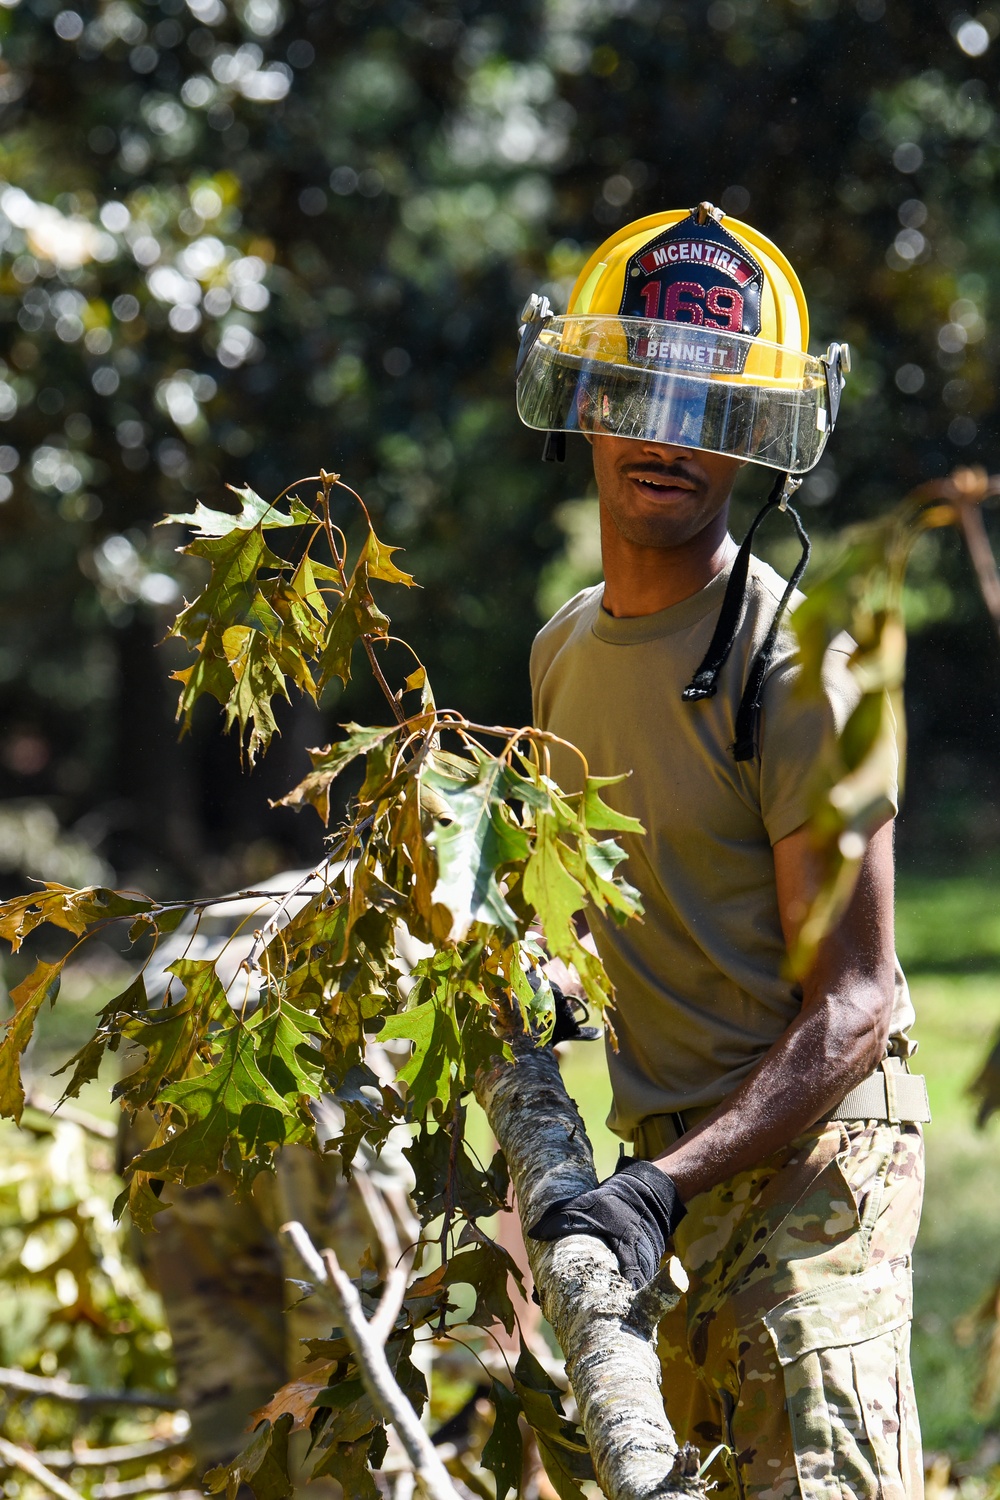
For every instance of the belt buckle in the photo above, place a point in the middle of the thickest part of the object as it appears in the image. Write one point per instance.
(891, 1096)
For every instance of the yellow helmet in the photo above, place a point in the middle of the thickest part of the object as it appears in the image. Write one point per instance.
(686, 328)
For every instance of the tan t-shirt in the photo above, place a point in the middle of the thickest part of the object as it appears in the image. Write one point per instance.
(700, 990)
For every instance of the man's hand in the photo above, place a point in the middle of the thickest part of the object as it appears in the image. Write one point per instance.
(635, 1213)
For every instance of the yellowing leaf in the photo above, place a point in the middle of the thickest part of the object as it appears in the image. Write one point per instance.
(377, 559)
(29, 996)
(328, 764)
(356, 615)
(257, 680)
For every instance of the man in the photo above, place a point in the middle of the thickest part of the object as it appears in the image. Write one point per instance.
(774, 1125)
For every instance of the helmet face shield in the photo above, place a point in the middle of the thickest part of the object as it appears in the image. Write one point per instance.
(683, 384)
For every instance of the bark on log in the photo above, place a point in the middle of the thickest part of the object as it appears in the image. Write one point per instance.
(605, 1330)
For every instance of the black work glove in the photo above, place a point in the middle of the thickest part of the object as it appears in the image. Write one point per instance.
(635, 1213)
(569, 1013)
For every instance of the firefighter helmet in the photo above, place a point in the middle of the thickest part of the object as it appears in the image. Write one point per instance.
(687, 328)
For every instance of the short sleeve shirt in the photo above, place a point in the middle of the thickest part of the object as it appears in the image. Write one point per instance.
(701, 988)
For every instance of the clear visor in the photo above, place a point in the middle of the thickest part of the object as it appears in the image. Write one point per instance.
(678, 383)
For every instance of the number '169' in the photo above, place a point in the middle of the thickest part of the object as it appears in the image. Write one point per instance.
(688, 301)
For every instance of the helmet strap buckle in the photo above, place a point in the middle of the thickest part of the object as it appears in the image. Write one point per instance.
(791, 484)
(836, 365)
(535, 313)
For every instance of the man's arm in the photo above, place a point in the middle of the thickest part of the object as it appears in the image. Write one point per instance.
(837, 1039)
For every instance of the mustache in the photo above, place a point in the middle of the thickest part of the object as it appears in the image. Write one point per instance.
(662, 472)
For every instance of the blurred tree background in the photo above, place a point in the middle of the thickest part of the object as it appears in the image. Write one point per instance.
(243, 239)
(240, 239)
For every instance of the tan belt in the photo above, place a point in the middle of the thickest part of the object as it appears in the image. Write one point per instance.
(890, 1093)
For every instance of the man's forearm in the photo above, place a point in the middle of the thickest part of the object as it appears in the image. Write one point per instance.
(838, 1037)
(828, 1049)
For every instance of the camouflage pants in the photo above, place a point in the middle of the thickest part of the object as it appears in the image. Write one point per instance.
(791, 1347)
(222, 1269)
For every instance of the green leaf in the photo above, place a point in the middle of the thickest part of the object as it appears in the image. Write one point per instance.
(235, 562)
(472, 846)
(561, 1443)
(349, 1464)
(328, 764)
(292, 1067)
(263, 1465)
(486, 1268)
(597, 814)
(596, 871)
(211, 674)
(87, 1062)
(253, 512)
(437, 1046)
(549, 887)
(212, 1104)
(28, 997)
(503, 1454)
(169, 1037)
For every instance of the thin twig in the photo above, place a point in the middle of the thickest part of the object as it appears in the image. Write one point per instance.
(103, 1458)
(449, 1188)
(16, 1457)
(263, 936)
(54, 1389)
(145, 1485)
(973, 528)
(104, 1130)
(366, 640)
(379, 1381)
(398, 1264)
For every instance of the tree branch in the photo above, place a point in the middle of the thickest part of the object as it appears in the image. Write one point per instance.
(104, 1458)
(19, 1458)
(605, 1330)
(81, 1395)
(369, 1351)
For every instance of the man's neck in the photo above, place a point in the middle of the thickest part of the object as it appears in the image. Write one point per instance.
(642, 580)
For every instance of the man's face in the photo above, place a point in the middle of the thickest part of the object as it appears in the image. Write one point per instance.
(659, 495)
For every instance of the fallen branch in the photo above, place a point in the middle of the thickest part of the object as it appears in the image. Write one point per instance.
(120, 1489)
(53, 1109)
(105, 1458)
(605, 1330)
(55, 1389)
(367, 1342)
(19, 1458)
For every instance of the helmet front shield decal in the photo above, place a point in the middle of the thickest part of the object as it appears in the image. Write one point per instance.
(696, 274)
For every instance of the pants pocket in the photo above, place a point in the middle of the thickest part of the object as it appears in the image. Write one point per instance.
(844, 1352)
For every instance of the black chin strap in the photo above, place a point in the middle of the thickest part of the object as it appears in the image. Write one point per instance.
(706, 680)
